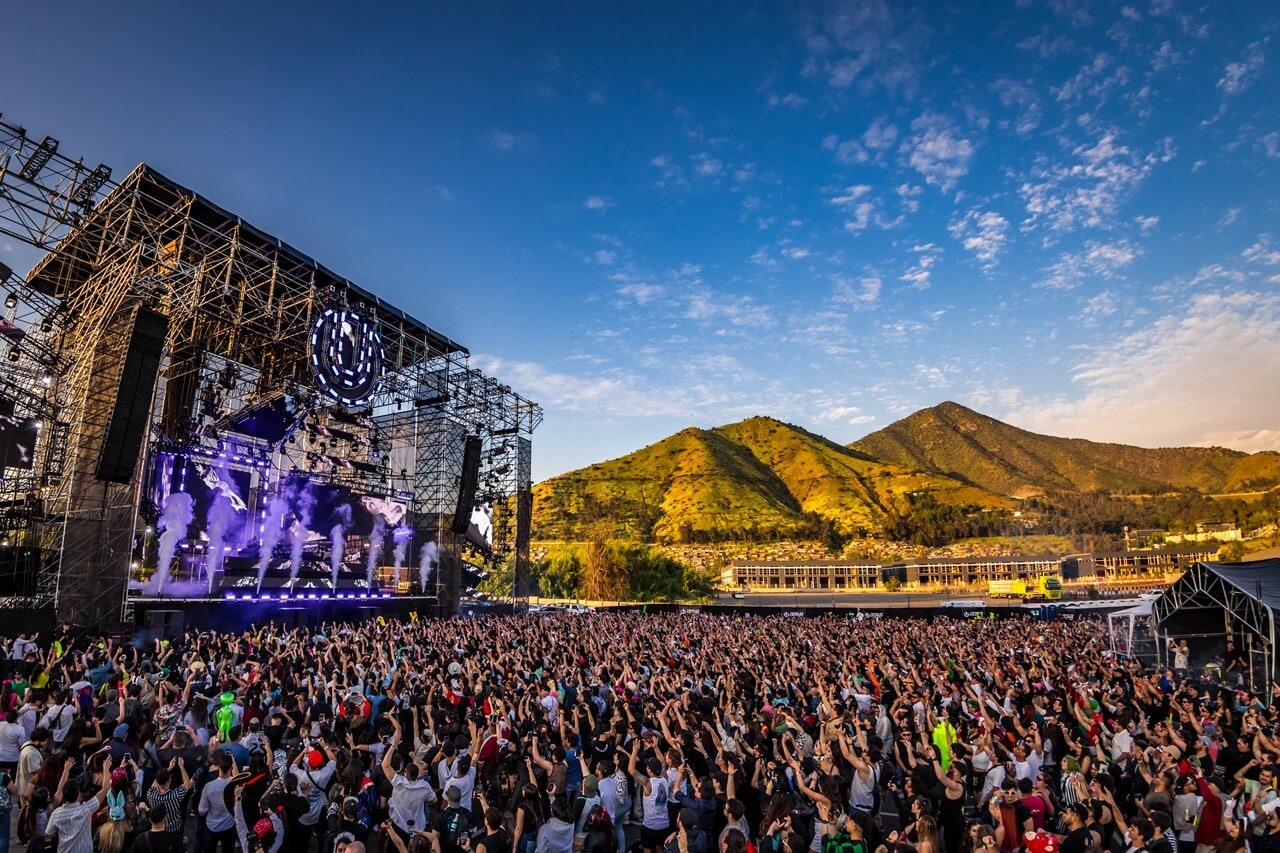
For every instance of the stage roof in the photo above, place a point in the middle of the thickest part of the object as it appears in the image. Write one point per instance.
(69, 261)
(1259, 579)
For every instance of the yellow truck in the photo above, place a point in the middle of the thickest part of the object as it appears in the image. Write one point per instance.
(1047, 588)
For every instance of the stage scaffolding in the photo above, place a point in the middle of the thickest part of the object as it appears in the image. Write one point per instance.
(240, 305)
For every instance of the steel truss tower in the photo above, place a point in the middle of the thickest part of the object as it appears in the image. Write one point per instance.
(240, 305)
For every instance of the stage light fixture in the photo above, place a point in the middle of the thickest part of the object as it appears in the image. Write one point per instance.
(14, 354)
(11, 301)
(39, 159)
(89, 187)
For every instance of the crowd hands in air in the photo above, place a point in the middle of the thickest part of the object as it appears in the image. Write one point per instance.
(613, 732)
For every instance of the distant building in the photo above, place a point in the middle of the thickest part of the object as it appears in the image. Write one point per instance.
(1109, 565)
(957, 571)
(800, 574)
(972, 571)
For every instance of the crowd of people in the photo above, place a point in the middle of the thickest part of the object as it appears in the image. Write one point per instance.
(615, 732)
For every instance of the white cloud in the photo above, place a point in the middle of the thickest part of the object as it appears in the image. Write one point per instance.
(1100, 260)
(1150, 387)
(1099, 305)
(861, 294)
(1270, 144)
(616, 393)
(881, 135)
(707, 166)
(708, 306)
(642, 293)
(1087, 192)
(1231, 217)
(507, 141)
(850, 415)
(1240, 75)
(791, 99)
(1096, 80)
(918, 274)
(849, 152)
(597, 202)
(867, 44)
(1023, 99)
(1262, 252)
(982, 233)
(1147, 223)
(605, 257)
(854, 202)
(937, 150)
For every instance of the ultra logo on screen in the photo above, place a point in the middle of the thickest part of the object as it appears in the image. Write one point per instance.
(346, 355)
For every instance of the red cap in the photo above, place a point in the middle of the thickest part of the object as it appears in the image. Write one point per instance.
(263, 828)
(315, 760)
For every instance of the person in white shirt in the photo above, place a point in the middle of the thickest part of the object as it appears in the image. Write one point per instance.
(12, 734)
(410, 792)
(72, 822)
(550, 703)
(59, 717)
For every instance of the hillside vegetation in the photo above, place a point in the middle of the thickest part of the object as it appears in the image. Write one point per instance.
(951, 439)
(941, 475)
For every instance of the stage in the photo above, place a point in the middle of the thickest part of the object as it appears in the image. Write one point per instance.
(195, 405)
(173, 616)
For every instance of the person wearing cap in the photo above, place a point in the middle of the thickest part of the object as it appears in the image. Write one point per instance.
(348, 820)
(695, 840)
(314, 771)
(1077, 839)
(267, 833)
(118, 745)
(454, 823)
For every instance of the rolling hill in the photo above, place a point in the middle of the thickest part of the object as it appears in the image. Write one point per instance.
(757, 479)
(760, 479)
(961, 443)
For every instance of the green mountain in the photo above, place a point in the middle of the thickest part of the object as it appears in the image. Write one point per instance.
(755, 480)
(943, 473)
(961, 443)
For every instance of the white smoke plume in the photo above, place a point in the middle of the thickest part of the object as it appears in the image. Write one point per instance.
(174, 520)
(338, 536)
(270, 534)
(375, 545)
(428, 559)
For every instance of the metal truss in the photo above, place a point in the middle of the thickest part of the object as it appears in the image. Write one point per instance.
(43, 194)
(1201, 586)
(240, 305)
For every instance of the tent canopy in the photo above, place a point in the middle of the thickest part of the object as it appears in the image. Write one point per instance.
(1210, 598)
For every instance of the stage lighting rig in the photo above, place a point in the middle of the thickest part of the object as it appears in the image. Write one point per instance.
(39, 158)
(89, 187)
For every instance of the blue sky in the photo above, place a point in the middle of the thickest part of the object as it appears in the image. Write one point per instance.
(1061, 213)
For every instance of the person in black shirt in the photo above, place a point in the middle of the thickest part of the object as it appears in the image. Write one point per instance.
(158, 839)
(495, 839)
(1077, 839)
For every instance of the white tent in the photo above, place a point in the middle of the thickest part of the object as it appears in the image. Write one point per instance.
(1125, 630)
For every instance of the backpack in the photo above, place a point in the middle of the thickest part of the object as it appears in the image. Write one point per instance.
(457, 823)
(6, 799)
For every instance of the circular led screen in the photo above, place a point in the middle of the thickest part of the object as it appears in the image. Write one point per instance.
(346, 355)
